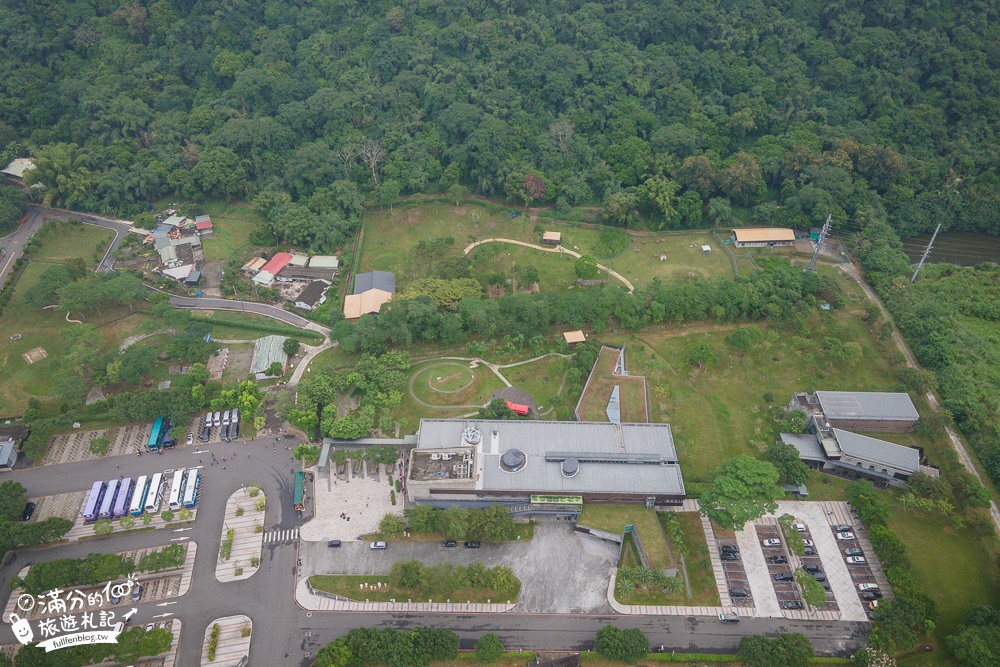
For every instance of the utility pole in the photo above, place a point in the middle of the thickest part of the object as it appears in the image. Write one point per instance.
(926, 252)
(819, 243)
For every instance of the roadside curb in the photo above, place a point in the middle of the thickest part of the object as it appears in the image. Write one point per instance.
(312, 602)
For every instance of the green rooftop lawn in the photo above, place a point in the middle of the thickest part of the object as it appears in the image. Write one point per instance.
(614, 518)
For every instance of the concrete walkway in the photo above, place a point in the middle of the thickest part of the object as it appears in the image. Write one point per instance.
(364, 499)
(311, 352)
(232, 647)
(170, 659)
(247, 544)
(758, 576)
(558, 249)
(312, 602)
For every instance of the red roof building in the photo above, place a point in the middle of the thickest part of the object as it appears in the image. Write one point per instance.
(277, 263)
(205, 224)
(518, 409)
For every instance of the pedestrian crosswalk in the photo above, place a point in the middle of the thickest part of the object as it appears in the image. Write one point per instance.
(279, 536)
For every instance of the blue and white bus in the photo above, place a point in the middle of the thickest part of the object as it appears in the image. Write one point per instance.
(124, 497)
(192, 485)
(93, 505)
(109, 500)
(176, 490)
(156, 435)
(139, 496)
(155, 494)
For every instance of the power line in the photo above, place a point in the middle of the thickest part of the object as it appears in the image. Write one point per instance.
(926, 252)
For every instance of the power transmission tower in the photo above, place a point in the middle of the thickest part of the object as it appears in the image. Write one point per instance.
(819, 243)
(926, 252)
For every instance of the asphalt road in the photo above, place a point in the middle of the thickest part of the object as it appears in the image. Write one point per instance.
(211, 303)
(283, 633)
(13, 244)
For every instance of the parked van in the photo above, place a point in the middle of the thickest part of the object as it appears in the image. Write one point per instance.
(225, 418)
(217, 419)
(208, 420)
(729, 618)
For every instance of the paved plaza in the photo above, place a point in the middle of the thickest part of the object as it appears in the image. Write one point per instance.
(364, 499)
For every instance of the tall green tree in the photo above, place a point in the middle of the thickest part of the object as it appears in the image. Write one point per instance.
(743, 489)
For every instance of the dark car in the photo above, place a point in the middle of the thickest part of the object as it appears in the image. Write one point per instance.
(791, 604)
(812, 569)
(729, 549)
(871, 595)
(472, 545)
(842, 528)
(784, 576)
(819, 577)
(28, 511)
(204, 434)
(810, 551)
(777, 559)
(739, 593)
(449, 543)
(729, 556)
(854, 551)
(333, 544)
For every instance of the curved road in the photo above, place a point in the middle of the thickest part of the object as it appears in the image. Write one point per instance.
(267, 310)
(13, 244)
(560, 248)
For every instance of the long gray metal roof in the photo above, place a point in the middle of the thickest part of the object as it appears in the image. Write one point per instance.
(383, 280)
(867, 405)
(626, 458)
(878, 451)
(807, 445)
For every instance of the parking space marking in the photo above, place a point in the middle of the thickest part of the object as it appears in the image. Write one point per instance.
(765, 600)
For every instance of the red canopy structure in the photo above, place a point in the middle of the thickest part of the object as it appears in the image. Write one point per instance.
(518, 409)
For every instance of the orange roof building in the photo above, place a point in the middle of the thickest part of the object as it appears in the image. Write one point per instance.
(370, 301)
(754, 237)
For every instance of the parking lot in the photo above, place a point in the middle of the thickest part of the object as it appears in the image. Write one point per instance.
(767, 572)
(560, 570)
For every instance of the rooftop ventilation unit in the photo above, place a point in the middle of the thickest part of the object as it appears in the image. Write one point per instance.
(570, 467)
(472, 436)
(513, 460)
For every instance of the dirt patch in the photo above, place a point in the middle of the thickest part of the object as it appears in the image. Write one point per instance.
(212, 277)
(35, 354)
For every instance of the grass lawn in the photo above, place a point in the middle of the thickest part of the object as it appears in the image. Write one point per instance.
(443, 405)
(632, 395)
(699, 565)
(947, 563)
(543, 379)
(390, 245)
(232, 225)
(614, 518)
(74, 241)
(349, 586)
(555, 270)
(719, 412)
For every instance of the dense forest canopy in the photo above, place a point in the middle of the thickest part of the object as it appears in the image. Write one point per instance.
(774, 111)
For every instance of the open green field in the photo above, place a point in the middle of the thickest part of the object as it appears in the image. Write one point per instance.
(555, 270)
(73, 241)
(437, 404)
(390, 244)
(543, 379)
(232, 223)
(949, 564)
(614, 518)
(631, 392)
(719, 412)
(349, 586)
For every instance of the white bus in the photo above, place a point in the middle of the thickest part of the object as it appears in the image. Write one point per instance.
(155, 495)
(139, 497)
(176, 490)
(192, 485)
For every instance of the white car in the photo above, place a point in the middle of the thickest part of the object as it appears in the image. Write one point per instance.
(867, 587)
(845, 536)
(801, 527)
(808, 543)
(190, 438)
(771, 543)
(378, 546)
(150, 626)
(855, 560)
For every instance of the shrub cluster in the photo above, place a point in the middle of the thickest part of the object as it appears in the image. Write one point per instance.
(213, 641)
(226, 548)
(446, 578)
(386, 646)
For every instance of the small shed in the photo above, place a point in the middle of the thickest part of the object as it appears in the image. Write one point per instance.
(193, 279)
(203, 224)
(552, 238)
(324, 262)
(574, 338)
(706, 248)
(254, 265)
(814, 233)
(298, 259)
(312, 296)
(174, 221)
(8, 454)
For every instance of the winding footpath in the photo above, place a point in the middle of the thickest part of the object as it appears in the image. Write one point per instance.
(559, 249)
(932, 399)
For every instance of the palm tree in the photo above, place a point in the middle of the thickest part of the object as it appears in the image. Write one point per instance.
(624, 588)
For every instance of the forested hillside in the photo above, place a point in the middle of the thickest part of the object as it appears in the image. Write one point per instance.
(694, 112)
